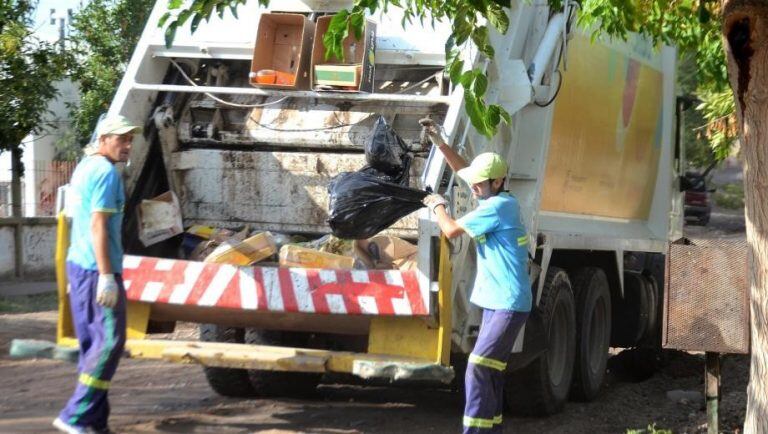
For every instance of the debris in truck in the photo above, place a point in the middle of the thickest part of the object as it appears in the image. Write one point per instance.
(298, 256)
(338, 246)
(204, 232)
(388, 252)
(218, 236)
(282, 52)
(361, 204)
(246, 252)
(159, 218)
(385, 151)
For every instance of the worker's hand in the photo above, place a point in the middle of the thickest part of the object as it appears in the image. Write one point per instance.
(106, 290)
(430, 129)
(434, 200)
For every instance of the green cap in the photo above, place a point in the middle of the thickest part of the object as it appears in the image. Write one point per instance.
(488, 165)
(116, 125)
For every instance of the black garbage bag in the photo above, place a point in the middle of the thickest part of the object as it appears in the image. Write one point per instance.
(384, 149)
(364, 203)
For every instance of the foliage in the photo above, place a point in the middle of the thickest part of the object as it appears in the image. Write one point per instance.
(104, 34)
(730, 196)
(29, 69)
(690, 24)
(650, 430)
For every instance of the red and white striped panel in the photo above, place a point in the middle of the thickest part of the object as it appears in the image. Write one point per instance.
(354, 292)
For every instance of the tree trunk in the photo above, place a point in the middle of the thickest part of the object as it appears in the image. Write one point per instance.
(745, 30)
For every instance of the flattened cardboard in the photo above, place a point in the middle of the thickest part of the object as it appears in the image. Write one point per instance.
(363, 54)
(284, 43)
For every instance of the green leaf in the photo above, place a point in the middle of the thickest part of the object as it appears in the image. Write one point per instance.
(466, 79)
(476, 117)
(220, 9)
(505, 115)
(233, 9)
(195, 22)
(170, 34)
(174, 4)
(183, 17)
(480, 85)
(498, 18)
(357, 23)
(494, 115)
(163, 19)
(455, 71)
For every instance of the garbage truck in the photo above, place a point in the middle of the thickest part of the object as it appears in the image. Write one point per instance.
(593, 162)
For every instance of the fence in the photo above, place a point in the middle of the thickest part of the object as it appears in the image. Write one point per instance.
(38, 188)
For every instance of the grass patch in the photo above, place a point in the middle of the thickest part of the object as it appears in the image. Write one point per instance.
(730, 196)
(650, 430)
(29, 303)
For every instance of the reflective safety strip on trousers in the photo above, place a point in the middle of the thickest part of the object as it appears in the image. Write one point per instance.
(93, 382)
(488, 362)
(522, 241)
(476, 422)
(497, 420)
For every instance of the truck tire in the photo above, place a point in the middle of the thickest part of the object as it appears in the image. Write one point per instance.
(593, 332)
(278, 383)
(541, 388)
(226, 381)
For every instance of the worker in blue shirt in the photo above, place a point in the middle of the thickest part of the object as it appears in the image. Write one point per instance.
(501, 288)
(94, 269)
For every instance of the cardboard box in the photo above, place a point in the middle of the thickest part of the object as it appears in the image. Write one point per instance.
(246, 252)
(338, 75)
(159, 218)
(297, 256)
(284, 45)
(358, 54)
(388, 252)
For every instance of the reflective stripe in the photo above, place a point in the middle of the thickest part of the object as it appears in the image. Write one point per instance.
(480, 239)
(477, 422)
(93, 382)
(522, 241)
(488, 362)
(497, 420)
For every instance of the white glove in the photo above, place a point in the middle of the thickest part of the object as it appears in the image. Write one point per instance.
(434, 200)
(106, 290)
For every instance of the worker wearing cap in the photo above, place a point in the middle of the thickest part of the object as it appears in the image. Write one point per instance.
(501, 288)
(94, 267)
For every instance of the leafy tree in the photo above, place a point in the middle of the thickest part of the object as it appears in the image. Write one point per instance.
(728, 40)
(103, 36)
(29, 69)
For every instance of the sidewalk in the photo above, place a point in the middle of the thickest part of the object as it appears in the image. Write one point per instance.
(26, 288)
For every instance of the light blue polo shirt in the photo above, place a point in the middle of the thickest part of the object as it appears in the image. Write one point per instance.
(95, 186)
(502, 280)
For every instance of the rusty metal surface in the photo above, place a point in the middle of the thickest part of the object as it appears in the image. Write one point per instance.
(706, 305)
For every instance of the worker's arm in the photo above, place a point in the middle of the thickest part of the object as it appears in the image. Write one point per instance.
(454, 160)
(447, 225)
(100, 237)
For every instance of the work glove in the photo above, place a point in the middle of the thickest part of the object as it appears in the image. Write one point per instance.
(106, 291)
(434, 200)
(429, 127)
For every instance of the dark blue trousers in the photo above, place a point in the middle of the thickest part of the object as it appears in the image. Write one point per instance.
(101, 334)
(484, 381)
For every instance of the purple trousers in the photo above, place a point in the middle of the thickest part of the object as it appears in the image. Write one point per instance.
(101, 334)
(484, 381)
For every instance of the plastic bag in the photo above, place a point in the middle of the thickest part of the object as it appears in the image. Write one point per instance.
(384, 149)
(362, 204)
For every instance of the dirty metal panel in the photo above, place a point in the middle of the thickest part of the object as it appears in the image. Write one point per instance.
(300, 123)
(706, 305)
(279, 191)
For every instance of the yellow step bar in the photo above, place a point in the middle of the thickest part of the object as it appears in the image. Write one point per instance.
(272, 358)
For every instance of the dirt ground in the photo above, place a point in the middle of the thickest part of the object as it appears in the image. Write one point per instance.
(156, 397)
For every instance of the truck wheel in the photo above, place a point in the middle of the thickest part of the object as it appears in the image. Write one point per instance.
(278, 383)
(541, 388)
(593, 329)
(226, 381)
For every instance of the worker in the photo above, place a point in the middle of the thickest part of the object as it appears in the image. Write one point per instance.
(501, 287)
(94, 267)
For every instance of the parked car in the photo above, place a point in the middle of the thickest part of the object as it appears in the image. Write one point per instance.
(698, 198)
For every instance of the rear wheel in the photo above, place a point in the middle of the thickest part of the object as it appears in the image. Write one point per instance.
(279, 383)
(542, 387)
(226, 381)
(593, 328)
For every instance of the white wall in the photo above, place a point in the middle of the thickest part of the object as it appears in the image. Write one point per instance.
(39, 241)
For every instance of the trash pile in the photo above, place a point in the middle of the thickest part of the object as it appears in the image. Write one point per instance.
(245, 247)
